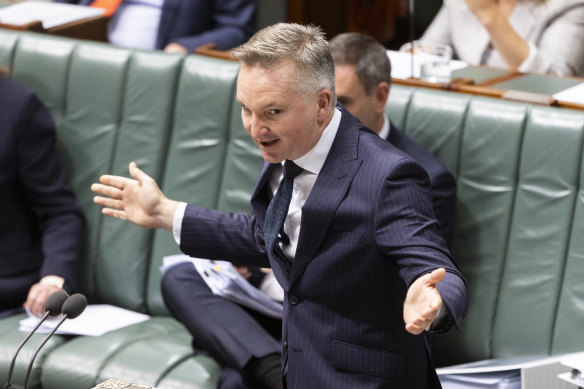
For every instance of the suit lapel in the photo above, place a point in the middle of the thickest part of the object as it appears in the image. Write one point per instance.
(331, 185)
(259, 197)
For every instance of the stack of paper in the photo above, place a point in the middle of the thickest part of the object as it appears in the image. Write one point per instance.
(533, 372)
(94, 321)
(576, 375)
(50, 14)
(224, 280)
(574, 94)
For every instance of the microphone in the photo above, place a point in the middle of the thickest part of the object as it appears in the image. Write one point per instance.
(72, 307)
(53, 307)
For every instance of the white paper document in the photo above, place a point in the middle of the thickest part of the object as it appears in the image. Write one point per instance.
(224, 280)
(94, 321)
(50, 14)
(575, 362)
(574, 94)
(535, 372)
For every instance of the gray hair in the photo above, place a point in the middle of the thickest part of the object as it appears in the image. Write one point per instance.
(367, 55)
(306, 46)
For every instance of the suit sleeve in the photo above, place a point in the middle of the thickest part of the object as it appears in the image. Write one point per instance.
(233, 24)
(233, 237)
(407, 232)
(444, 202)
(42, 178)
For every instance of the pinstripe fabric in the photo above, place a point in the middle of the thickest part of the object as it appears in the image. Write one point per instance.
(367, 233)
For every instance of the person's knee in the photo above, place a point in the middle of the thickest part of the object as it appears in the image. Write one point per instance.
(171, 279)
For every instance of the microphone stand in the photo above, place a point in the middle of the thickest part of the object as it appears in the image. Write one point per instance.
(8, 385)
(39, 349)
(412, 31)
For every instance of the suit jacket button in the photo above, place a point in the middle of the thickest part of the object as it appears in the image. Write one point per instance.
(293, 299)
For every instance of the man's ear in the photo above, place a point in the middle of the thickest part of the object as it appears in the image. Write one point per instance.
(324, 100)
(381, 93)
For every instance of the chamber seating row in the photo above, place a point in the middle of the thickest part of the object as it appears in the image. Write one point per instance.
(520, 211)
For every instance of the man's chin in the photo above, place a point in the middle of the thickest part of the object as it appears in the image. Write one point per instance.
(272, 158)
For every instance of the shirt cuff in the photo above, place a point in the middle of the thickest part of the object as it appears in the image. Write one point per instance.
(53, 280)
(179, 214)
(530, 63)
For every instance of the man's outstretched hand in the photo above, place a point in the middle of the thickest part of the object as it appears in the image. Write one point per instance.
(423, 302)
(137, 199)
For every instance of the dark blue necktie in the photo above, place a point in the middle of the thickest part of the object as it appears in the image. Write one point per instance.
(276, 214)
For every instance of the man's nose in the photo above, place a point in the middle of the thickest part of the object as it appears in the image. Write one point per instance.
(257, 127)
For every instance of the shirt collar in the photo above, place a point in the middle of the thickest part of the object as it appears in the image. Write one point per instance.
(384, 133)
(313, 160)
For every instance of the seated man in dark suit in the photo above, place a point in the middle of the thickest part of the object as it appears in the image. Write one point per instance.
(41, 223)
(179, 25)
(362, 82)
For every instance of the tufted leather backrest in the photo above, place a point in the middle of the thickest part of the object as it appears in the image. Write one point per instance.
(520, 211)
(516, 238)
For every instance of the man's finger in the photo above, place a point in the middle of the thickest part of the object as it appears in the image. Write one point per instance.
(136, 173)
(107, 190)
(115, 213)
(108, 202)
(436, 276)
(115, 181)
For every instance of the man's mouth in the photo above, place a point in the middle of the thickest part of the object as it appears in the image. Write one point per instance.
(269, 143)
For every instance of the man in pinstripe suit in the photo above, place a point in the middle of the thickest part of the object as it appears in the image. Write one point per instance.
(366, 271)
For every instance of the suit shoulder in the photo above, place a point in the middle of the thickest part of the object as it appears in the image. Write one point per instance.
(430, 162)
(14, 96)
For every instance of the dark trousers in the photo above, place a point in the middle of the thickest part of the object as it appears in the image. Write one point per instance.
(229, 333)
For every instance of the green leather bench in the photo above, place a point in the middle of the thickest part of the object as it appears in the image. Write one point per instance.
(520, 211)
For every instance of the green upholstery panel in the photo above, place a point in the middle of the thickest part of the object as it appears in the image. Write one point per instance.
(10, 339)
(197, 371)
(42, 64)
(435, 120)
(398, 104)
(486, 188)
(143, 353)
(542, 213)
(8, 41)
(144, 127)
(89, 133)
(197, 149)
(242, 167)
(570, 310)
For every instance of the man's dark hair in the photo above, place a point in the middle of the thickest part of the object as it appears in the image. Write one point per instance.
(368, 56)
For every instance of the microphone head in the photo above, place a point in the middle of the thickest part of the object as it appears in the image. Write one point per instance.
(55, 301)
(74, 305)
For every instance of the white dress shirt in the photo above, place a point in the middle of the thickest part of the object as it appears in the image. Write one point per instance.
(135, 24)
(311, 162)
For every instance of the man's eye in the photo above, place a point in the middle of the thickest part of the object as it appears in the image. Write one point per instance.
(274, 111)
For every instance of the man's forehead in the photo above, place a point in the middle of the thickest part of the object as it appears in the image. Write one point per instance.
(256, 80)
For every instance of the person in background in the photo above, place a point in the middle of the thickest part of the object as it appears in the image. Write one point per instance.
(42, 227)
(362, 83)
(180, 26)
(245, 343)
(531, 36)
(343, 218)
